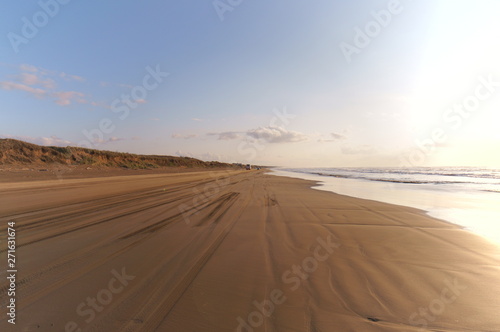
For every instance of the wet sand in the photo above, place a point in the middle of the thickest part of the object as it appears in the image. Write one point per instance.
(237, 251)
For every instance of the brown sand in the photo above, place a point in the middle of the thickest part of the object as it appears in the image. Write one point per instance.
(21, 173)
(238, 251)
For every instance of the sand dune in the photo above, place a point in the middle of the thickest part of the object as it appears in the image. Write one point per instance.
(15, 153)
(238, 251)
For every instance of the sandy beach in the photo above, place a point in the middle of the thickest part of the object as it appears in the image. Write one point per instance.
(236, 251)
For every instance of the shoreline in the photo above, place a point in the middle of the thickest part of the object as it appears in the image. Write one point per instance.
(464, 209)
(243, 251)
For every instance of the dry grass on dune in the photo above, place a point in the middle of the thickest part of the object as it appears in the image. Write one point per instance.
(15, 152)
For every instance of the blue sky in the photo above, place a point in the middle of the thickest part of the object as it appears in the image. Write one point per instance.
(257, 81)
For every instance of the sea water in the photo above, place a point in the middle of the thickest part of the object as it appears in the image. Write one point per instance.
(468, 196)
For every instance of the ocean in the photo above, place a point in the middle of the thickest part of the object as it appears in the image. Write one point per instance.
(468, 196)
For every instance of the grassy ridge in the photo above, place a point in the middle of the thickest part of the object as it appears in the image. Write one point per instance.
(15, 152)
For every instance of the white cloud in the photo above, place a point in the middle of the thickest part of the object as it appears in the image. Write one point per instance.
(109, 140)
(334, 137)
(45, 72)
(189, 136)
(28, 68)
(39, 83)
(65, 98)
(46, 141)
(338, 136)
(37, 92)
(180, 153)
(226, 135)
(99, 104)
(33, 79)
(69, 77)
(269, 134)
(276, 135)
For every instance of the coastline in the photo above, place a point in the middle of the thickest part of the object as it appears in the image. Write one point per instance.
(476, 212)
(241, 251)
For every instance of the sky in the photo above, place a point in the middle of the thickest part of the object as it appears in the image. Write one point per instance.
(324, 83)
